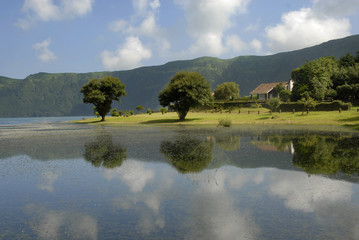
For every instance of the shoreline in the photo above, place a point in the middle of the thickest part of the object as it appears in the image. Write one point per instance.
(348, 119)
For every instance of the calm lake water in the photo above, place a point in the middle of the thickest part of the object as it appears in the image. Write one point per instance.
(68, 181)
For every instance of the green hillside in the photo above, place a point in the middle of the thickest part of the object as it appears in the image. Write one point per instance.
(58, 94)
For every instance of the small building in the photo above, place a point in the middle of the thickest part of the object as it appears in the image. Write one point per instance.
(266, 90)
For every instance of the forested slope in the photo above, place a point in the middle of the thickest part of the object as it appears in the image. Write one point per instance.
(58, 94)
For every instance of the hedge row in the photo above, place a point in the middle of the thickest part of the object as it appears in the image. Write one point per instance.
(323, 106)
(284, 107)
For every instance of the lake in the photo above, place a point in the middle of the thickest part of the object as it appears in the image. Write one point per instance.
(71, 181)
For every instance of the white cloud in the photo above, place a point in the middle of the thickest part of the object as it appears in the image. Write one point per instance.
(215, 209)
(49, 178)
(43, 51)
(236, 43)
(143, 23)
(310, 26)
(306, 194)
(133, 173)
(207, 21)
(256, 45)
(50, 224)
(127, 56)
(47, 10)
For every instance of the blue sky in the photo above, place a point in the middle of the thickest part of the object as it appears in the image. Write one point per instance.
(99, 35)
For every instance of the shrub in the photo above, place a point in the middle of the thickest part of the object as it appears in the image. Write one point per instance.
(163, 110)
(149, 111)
(274, 103)
(114, 112)
(225, 123)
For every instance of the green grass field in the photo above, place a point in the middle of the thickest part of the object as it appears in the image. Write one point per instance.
(332, 118)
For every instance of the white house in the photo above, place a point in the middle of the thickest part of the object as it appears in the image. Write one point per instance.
(266, 90)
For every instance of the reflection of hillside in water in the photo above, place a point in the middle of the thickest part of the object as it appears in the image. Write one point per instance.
(189, 149)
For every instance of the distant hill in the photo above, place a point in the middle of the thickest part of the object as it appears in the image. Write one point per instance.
(58, 94)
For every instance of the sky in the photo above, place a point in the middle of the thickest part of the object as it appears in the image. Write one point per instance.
(110, 35)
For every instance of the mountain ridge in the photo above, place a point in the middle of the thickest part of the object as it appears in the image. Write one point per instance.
(58, 94)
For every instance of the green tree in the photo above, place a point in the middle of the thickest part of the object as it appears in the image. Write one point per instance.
(184, 91)
(163, 110)
(285, 95)
(347, 61)
(114, 112)
(278, 88)
(102, 92)
(139, 108)
(227, 91)
(274, 103)
(149, 111)
(314, 78)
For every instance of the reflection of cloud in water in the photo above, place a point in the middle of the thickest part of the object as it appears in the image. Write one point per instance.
(301, 192)
(214, 212)
(48, 179)
(51, 224)
(150, 215)
(133, 173)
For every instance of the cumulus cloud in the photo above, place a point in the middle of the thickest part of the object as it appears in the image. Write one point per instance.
(48, 180)
(50, 224)
(47, 10)
(216, 211)
(306, 194)
(141, 25)
(207, 22)
(127, 56)
(325, 20)
(133, 173)
(43, 52)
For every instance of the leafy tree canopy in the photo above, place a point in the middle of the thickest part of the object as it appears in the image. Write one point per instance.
(227, 91)
(102, 92)
(184, 91)
(314, 78)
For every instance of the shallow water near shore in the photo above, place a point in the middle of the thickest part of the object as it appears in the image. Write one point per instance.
(71, 181)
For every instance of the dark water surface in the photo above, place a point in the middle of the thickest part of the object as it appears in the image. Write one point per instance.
(67, 181)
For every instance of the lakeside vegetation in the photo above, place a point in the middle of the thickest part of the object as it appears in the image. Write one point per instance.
(349, 118)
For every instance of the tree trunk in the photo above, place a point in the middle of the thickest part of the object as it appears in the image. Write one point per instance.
(103, 118)
(182, 115)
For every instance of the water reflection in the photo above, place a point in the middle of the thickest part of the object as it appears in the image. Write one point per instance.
(235, 185)
(103, 152)
(51, 224)
(317, 154)
(228, 142)
(188, 154)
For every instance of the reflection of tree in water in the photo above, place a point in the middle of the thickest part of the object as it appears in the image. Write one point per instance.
(103, 152)
(188, 154)
(228, 142)
(326, 154)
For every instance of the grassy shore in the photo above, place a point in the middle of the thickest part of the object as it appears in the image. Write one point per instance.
(348, 118)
